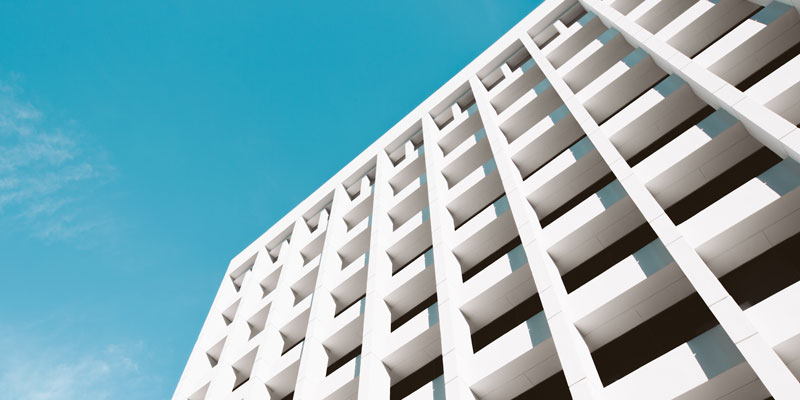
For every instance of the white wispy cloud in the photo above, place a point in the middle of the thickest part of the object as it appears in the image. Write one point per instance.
(45, 172)
(32, 369)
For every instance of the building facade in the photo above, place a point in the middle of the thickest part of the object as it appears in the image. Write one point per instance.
(603, 205)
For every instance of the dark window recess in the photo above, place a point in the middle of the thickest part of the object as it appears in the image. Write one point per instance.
(479, 210)
(575, 19)
(774, 270)
(553, 157)
(552, 388)
(723, 184)
(726, 32)
(669, 136)
(669, 329)
(771, 66)
(343, 360)
(413, 312)
(466, 275)
(633, 99)
(417, 379)
(609, 257)
(238, 385)
(349, 305)
(412, 260)
(577, 199)
(293, 346)
(506, 322)
(289, 396)
(550, 39)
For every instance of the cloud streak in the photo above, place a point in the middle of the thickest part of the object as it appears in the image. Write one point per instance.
(46, 172)
(36, 370)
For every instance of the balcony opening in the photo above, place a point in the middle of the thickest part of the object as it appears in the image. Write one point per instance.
(422, 306)
(552, 156)
(243, 368)
(577, 199)
(625, 6)
(289, 396)
(258, 321)
(270, 283)
(332, 367)
(481, 265)
(399, 153)
(769, 68)
(319, 215)
(608, 257)
(215, 352)
(238, 276)
(547, 35)
(673, 133)
(341, 309)
(274, 247)
(649, 340)
(400, 267)
(504, 323)
(634, 98)
(717, 188)
(459, 222)
(200, 394)
(774, 270)
(731, 28)
(304, 286)
(289, 344)
(230, 312)
(572, 15)
(552, 388)
(431, 372)
(355, 186)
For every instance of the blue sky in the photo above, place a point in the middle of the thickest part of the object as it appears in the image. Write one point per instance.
(144, 144)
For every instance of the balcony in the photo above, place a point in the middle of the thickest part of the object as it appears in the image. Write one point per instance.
(346, 331)
(361, 210)
(499, 287)
(484, 234)
(535, 149)
(573, 39)
(410, 240)
(636, 288)
(413, 344)
(516, 84)
(695, 157)
(530, 110)
(407, 174)
(652, 116)
(342, 383)
(598, 56)
(283, 373)
(706, 366)
(754, 42)
(415, 281)
(526, 350)
(593, 224)
(766, 202)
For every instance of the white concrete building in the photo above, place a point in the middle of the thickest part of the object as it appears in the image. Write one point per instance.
(603, 205)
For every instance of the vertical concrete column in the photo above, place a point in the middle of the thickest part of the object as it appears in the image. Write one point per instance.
(314, 359)
(456, 340)
(576, 360)
(765, 362)
(374, 381)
